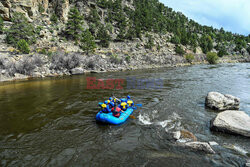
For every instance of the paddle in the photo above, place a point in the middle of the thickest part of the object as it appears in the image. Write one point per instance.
(130, 116)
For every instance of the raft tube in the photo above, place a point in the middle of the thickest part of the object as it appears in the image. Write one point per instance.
(110, 119)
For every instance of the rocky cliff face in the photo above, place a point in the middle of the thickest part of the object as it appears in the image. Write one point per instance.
(32, 9)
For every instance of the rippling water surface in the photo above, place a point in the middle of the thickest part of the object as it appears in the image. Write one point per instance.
(51, 122)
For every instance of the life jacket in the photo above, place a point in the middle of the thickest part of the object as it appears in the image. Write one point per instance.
(116, 112)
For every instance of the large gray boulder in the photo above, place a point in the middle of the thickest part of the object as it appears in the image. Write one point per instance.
(218, 101)
(234, 122)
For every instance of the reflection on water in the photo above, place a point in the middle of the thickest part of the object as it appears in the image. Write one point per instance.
(51, 122)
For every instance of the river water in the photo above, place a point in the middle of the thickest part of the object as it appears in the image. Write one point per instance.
(51, 122)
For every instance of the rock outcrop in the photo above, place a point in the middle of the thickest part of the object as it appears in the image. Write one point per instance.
(220, 102)
(234, 122)
(33, 8)
(200, 146)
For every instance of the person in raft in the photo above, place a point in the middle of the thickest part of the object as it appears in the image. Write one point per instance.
(115, 110)
(129, 101)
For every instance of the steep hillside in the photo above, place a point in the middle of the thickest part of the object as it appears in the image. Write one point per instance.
(124, 33)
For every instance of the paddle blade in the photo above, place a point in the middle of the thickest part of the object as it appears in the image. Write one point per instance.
(135, 108)
(139, 105)
(133, 117)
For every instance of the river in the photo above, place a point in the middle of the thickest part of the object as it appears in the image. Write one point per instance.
(51, 121)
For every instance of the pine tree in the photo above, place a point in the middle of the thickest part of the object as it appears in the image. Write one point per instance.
(74, 24)
(103, 36)
(20, 29)
(87, 42)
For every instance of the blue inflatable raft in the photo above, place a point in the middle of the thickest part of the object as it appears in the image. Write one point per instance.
(110, 119)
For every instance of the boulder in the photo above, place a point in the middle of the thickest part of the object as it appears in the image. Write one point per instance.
(200, 146)
(248, 163)
(77, 71)
(234, 122)
(220, 102)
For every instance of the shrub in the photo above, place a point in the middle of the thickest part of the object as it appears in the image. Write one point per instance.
(189, 58)
(25, 66)
(179, 50)
(20, 29)
(115, 59)
(61, 61)
(54, 18)
(175, 40)
(212, 57)
(41, 8)
(150, 42)
(222, 51)
(1, 24)
(128, 59)
(91, 64)
(23, 46)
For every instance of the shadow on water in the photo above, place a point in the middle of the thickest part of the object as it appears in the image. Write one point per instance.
(51, 122)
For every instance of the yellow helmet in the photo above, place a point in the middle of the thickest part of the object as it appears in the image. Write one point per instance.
(108, 101)
(130, 102)
(123, 104)
(104, 105)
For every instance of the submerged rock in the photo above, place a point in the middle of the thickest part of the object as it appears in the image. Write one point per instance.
(213, 143)
(235, 122)
(218, 101)
(201, 146)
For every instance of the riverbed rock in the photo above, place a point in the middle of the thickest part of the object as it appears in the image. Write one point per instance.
(213, 143)
(234, 122)
(220, 102)
(248, 163)
(200, 146)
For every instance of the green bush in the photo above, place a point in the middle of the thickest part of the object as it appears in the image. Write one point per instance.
(54, 18)
(179, 50)
(150, 42)
(189, 58)
(1, 24)
(23, 46)
(212, 57)
(115, 59)
(41, 8)
(175, 39)
(128, 59)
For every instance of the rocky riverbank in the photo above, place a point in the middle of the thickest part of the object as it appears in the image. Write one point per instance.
(60, 63)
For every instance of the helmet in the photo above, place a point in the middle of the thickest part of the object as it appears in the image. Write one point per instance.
(104, 105)
(110, 98)
(123, 104)
(130, 102)
(123, 100)
(106, 102)
(128, 97)
(112, 104)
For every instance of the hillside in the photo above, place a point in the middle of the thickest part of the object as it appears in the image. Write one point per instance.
(122, 33)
